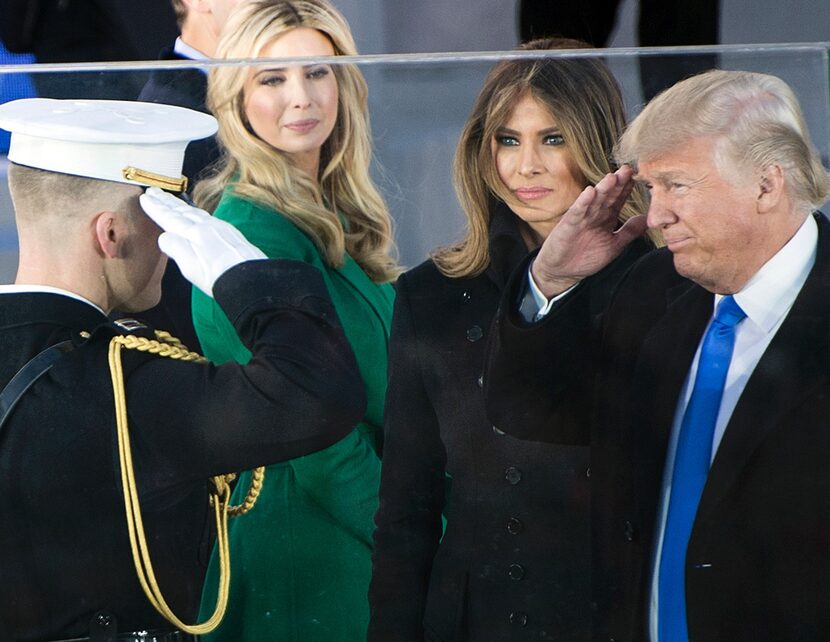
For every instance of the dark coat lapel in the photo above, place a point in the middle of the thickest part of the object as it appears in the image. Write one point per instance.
(793, 366)
(665, 359)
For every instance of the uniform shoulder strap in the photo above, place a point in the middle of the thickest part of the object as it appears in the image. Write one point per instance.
(28, 374)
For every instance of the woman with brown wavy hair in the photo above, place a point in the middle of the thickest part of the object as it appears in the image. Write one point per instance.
(512, 561)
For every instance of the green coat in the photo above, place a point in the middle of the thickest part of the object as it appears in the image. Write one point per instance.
(301, 559)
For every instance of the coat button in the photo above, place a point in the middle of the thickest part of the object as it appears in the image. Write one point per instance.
(474, 334)
(514, 526)
(466, 296)
(480, 381)
(516, 571)
(630, 531)
(497, 431)
(518, 618)
(513, 475)
(588, 472)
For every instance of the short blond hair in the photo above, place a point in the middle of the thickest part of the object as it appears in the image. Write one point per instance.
(754, 118)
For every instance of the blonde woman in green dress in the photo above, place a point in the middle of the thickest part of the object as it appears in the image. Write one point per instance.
(294, 179)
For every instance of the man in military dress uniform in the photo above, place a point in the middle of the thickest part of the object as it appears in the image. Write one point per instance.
(77, 173)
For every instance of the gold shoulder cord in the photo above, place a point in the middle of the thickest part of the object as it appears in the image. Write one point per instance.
(168, 346)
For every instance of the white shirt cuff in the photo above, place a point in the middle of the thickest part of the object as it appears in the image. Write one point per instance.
(535, 306)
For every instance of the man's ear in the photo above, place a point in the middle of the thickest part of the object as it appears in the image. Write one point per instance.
(770, 188)
(108, 234)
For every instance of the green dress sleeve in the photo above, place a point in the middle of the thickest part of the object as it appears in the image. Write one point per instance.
(343, 480)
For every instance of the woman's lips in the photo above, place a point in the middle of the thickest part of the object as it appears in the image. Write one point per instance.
(531, 193)
(302, 126)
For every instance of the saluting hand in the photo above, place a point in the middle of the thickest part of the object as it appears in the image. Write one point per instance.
(204, 247)
(585, 239)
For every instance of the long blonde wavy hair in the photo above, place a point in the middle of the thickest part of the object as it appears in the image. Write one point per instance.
(585, 99)
(266, 175)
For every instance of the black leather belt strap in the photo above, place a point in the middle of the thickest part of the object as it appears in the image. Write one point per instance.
(28, 374)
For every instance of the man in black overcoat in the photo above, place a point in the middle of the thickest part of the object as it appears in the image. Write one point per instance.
(734, 184)
(77, 173)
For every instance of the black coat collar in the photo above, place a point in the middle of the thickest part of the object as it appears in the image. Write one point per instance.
(507, 247)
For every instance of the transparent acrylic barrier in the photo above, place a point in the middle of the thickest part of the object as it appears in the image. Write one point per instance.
(418, 106)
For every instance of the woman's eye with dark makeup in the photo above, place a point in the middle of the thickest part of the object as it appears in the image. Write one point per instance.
(271, 80)
(554, 139)
(319, 72)
(506, 141)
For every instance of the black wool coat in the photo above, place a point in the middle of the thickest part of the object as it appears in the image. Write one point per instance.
(513, 563)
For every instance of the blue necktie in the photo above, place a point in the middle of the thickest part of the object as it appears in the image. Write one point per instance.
(691, 466)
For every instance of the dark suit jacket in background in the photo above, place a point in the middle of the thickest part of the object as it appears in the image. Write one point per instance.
(60, 31)
(757, 566)
(185, 87)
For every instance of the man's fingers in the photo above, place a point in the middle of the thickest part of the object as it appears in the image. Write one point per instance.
(631, 229)
(175, 246)
(168, 212)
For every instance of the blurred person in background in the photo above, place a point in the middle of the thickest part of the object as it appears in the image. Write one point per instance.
(201, 23)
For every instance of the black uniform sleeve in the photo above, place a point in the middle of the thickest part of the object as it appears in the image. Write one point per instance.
(540, 377)
(299, 393)
(408, 521)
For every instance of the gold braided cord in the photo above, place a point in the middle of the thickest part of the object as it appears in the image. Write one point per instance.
(254, 489)
(166, 345)
(135, 525)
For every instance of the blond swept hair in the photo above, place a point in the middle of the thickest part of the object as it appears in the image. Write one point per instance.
(756, 122)
(584, 98)
(265, 175)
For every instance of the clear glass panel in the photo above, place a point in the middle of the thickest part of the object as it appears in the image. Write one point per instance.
(418, 106)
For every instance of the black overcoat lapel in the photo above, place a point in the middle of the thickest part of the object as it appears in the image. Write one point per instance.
(665, 357)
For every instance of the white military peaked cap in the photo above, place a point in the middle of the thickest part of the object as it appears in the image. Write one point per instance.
(114, 140)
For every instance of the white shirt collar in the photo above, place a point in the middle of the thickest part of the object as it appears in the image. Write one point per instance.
(184, 49)
(772, 290)
(15, 288)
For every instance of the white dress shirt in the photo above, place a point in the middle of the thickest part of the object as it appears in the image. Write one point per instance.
(186, 51)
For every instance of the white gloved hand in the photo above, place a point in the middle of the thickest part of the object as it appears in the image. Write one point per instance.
(204, 247)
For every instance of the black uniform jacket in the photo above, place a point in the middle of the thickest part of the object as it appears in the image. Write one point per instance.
(64, 550)
(514, 561)
(757, 566)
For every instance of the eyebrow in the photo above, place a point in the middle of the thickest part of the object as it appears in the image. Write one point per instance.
(541, 132)
(271, 70)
